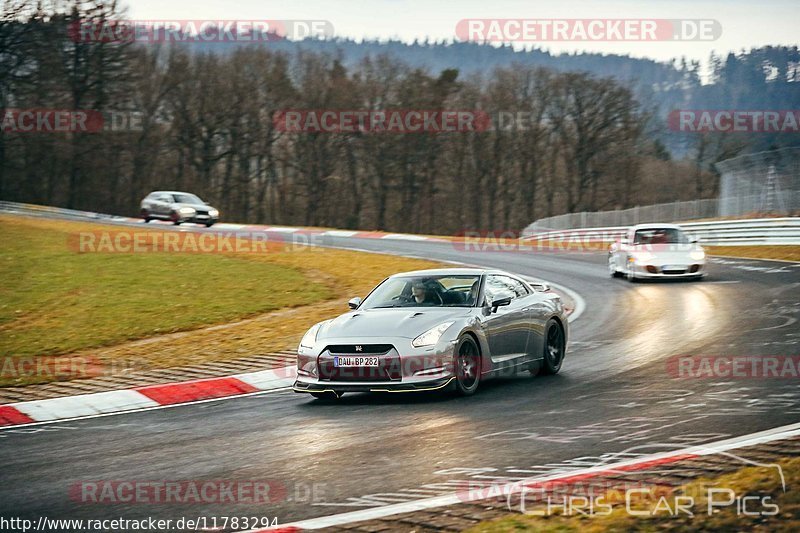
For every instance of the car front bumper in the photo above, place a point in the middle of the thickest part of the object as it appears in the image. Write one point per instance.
(201, 219)
(401, 367)
(652, 271)
(301, 385)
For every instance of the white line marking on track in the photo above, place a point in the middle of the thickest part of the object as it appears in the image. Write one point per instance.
(374, 513)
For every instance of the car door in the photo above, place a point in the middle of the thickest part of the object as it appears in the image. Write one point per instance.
(163, 203)
(507, 329)
(152, 204)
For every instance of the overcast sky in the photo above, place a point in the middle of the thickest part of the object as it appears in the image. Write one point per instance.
(745, 24)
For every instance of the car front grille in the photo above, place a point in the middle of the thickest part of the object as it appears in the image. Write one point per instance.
(358, 349)
(388, 368)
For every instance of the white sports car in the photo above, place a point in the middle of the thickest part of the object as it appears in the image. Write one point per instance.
(656, 251)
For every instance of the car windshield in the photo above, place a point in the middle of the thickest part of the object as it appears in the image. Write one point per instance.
(425, 291)
(187, 199)
(660, 236)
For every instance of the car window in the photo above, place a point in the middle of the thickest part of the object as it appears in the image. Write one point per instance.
(424, 291)
(187, 199)
(499, 286)
(660, 236)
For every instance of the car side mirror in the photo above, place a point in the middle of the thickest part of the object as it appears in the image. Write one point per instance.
(541, 287)
(206, 203)
(500, 302)
(353, 303)
(623, 240)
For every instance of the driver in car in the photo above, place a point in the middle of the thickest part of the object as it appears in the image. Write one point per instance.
(421, 295)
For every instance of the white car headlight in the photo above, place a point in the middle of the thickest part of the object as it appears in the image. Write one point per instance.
(697, 255)
(187, 210)
(432, 336)
(310, 338)
(213, 212)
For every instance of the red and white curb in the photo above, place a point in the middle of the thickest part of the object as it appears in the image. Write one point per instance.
(147, 397)
(288, 230)
(470, 496)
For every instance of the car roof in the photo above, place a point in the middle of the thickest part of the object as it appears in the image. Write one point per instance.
(655, 226)
(172, 192)
(449, 272)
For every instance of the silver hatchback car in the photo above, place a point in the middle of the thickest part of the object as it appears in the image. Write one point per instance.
(431, 329)
(178, 207)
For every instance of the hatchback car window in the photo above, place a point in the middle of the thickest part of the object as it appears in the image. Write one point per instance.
(187, 199)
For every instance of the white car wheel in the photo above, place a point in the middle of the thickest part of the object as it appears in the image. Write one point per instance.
(630, 275)
(612, 267)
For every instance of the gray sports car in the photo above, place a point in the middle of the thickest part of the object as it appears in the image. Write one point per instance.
(433, 329)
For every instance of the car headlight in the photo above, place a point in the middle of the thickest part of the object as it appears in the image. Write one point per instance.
(213, 212)
(697, 255)
(187, 211)
(432, 336)
(642, 257)
(310, 338)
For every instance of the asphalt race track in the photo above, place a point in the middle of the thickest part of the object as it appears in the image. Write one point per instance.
(613, 395)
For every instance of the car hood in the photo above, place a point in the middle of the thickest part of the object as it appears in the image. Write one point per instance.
(668, 253)
(194, 206)
(407, 322)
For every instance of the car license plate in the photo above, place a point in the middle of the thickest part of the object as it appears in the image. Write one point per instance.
(344, 362)
(673, 267)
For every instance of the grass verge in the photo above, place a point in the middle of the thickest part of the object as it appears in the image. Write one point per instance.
(56, 301)
(782, 252)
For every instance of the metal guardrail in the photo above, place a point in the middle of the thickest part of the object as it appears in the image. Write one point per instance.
(15, 207)
(760, 231)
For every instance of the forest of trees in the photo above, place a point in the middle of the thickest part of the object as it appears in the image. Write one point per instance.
(204, 124)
